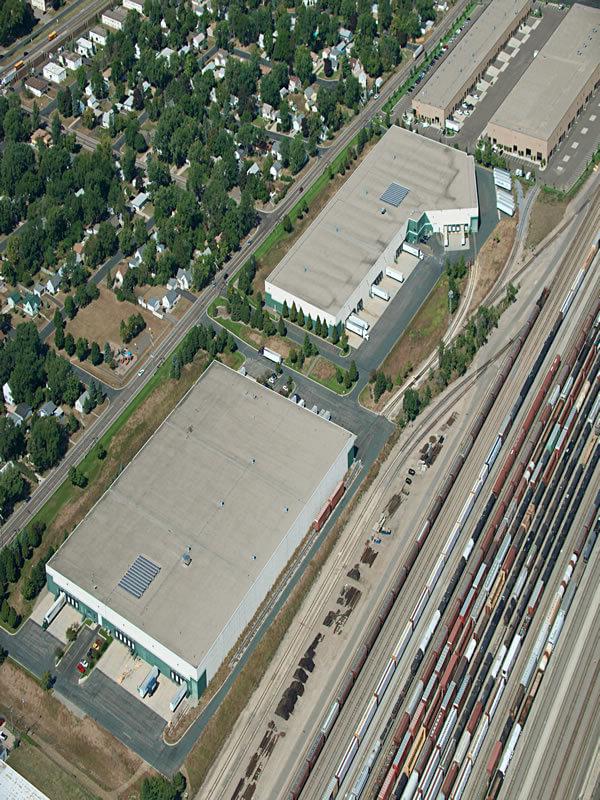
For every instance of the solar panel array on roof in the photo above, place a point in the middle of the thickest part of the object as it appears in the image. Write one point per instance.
(139, 576)
(394, 194)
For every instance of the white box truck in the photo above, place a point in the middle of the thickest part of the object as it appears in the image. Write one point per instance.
(377, 291)
(358, 321)
(412, 250)
(272, 355)
(149, 683)
(395, 274)
(352, 326)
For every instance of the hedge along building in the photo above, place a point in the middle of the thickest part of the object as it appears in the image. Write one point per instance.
(540, 110)
(179, 553)
(406, 187)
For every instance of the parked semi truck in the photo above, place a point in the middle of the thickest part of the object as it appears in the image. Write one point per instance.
(54, 610)
(394, 274)
(417, 52)
(414, 251)
(377, 291)
(272, 355)
(358, 329)
(150, 682)
(358, 321)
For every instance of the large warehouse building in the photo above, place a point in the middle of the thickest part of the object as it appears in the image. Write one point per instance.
(537, 114)
(182, 549)
(467, 62)
(406, 187)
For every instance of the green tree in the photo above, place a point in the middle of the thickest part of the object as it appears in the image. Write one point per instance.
(95, 354)
(175, 372)
(411, 404)
(287, 224)
(48, 442)
(12, 440)
(281, 329)
(70, 307)
(46, 681)
(353, 371)
(297, 154)
(82, 349)
(77, 477)
(69, 344)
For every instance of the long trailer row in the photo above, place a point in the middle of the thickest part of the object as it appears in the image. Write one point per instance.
(361, 654)
(432, 747)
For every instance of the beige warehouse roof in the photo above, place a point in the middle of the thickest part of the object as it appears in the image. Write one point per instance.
(466, 56)
(544, 93)
(232, 440)
(333, 256)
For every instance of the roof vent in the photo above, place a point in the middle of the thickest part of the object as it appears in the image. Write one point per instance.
(221, 503)
(186, 557)
(253, 460)
(285, 509)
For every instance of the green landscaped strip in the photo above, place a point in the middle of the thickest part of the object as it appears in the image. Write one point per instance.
(240, 330)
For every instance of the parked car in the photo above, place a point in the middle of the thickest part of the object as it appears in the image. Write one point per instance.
(272, 379)
(411, 471)
(409, 481)
(3, 736)
(83, 665)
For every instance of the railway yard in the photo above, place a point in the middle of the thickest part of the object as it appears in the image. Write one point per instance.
(444, 660)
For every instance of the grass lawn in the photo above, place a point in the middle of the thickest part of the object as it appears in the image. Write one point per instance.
(82, 742)
(317, 368)
(100, 320)
(547, 212)
(31, 762)
(420, 338)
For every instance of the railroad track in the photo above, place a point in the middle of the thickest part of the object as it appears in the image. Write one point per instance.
(564, 275)
(241, 738)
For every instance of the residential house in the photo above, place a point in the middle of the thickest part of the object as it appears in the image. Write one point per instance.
(114, 18)
(171, 284)
(40, 5)
(107, 118)
(54, 72)
(72, 60)
(8, 395)
(78, 249)
(166, 53)
(294, 84)
(268, 112)
(13, 299)
(53, 283)
(80, 402)
(134, 5)
(276, 170)
(135, 260)
(84, 47)
(170, 300)
(310, 97)
(198, 40)
(48, 409)
(120, 275)
(184, 279)
(40, 135)
(220, 57)
(139, 201)
(31, 305)
(253, 169)
(98, 35)
(378, 83)
(153, 304)
(297, 122)
(21, 413)
(309, 3)
(36, 86)
(38, 289)
(345, 34)
(276, 150)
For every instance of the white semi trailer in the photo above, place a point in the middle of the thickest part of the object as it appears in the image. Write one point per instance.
(360, 331)
(395, 274)
(377, 291)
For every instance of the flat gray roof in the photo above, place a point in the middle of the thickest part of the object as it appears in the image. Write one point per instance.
(333, 256)
(466, 56)
(555, 77)
(168, 498)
